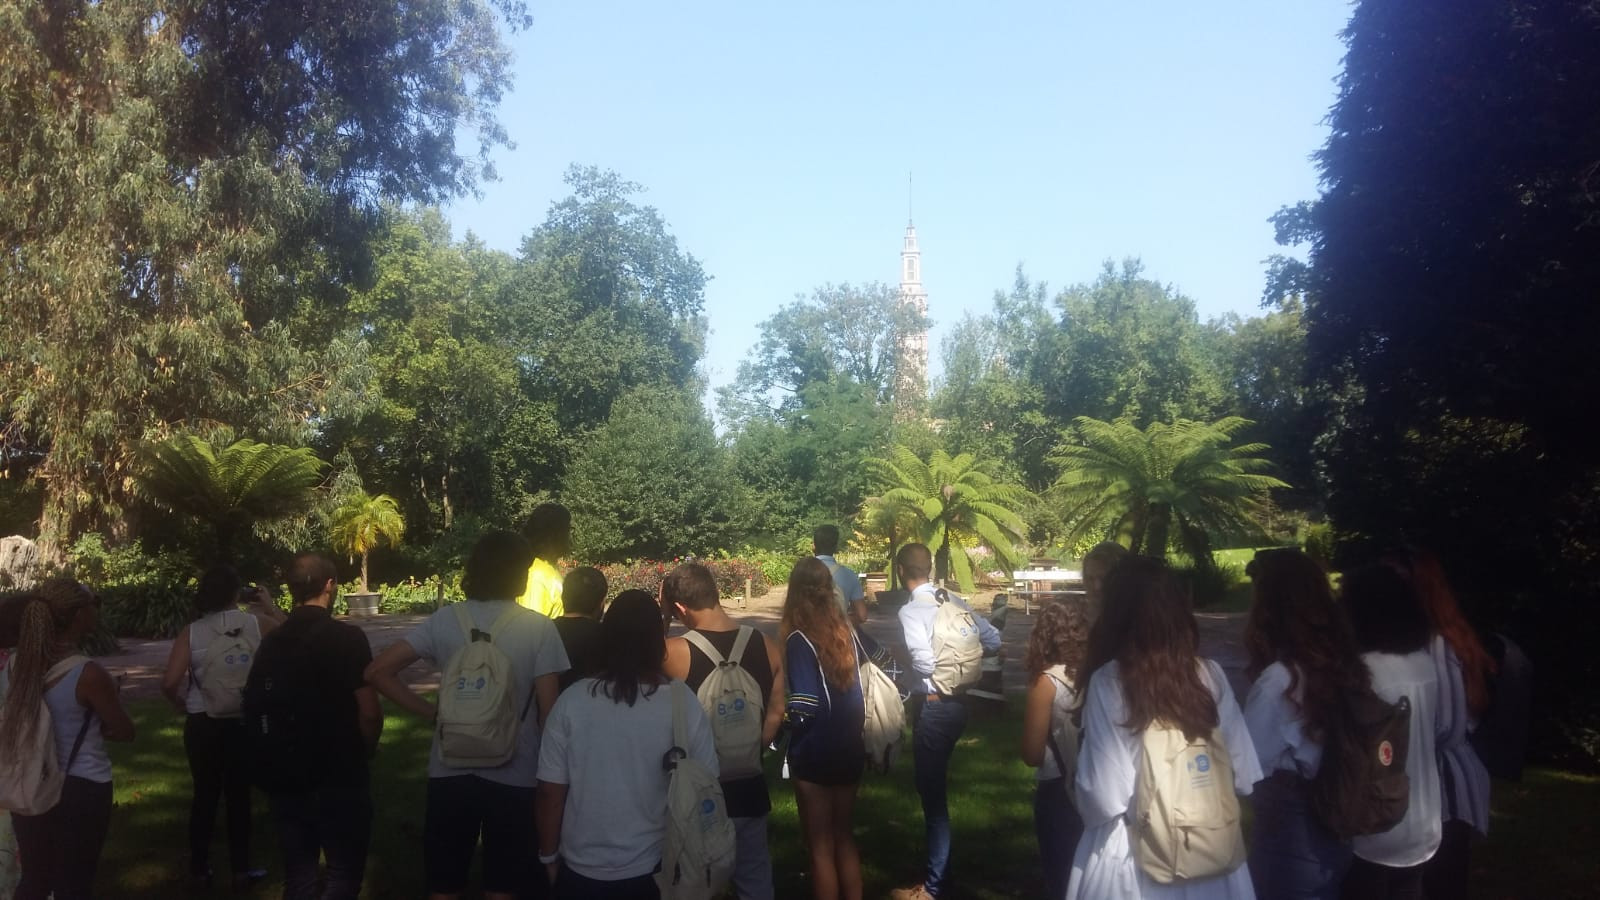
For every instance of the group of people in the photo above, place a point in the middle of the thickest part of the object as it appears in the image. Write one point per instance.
(558, 715)
(1108, 675)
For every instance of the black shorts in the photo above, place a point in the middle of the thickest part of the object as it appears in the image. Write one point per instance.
(459, 808)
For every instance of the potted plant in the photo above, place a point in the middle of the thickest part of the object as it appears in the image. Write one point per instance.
(360, 524)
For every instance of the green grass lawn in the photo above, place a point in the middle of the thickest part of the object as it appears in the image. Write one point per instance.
(1545, 834)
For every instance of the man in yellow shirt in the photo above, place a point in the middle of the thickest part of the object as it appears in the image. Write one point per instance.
(549, 530)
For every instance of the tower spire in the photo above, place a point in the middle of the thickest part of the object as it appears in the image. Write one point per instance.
(911, 381)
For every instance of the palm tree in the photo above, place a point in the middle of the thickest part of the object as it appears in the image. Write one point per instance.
(888, 521)
(232, 488)
(1141, 485)
(362, 522)
(957, 503)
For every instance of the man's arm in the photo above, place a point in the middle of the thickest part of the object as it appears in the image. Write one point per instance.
(859, 611)
(384, 675)
(776, 701)
(988, 635)
(916, 622)
(369, 717)
(676, 665)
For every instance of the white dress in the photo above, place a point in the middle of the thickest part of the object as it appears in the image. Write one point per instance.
(1103, 867)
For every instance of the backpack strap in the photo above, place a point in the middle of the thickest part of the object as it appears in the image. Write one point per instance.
(703, 644)
(62, 669)
(1058, 674)
(473, 632)
(77, 743)
(680, 727)
(740, 643)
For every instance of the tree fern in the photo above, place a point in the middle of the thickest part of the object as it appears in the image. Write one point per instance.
(229, 489)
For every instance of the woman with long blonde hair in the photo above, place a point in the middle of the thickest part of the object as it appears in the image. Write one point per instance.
(825, 712)
(60, 848)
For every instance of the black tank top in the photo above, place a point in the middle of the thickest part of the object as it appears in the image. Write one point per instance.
(755, 660)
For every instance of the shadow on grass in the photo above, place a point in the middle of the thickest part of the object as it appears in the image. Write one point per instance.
(1544, 833)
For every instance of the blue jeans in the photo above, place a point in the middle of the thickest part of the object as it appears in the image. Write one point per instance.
(1058, 826)
(933, 739)
(1292, 855)
(331, 821)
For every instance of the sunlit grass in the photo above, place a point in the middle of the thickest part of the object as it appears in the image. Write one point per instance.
(1543, 845)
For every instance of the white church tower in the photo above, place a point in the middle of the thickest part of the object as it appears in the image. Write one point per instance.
(911, 382)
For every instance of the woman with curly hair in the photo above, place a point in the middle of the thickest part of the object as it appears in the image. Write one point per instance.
(1304, 662)
(826, 712)
(1050, 739)
(1155, 676)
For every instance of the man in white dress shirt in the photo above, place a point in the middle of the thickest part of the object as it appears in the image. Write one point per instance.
(940, 718)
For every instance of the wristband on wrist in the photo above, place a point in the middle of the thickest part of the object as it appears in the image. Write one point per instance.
(547, 859)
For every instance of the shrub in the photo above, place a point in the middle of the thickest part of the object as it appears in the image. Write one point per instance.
(145, 596)
(1318, 540)
(1209, 585)
(646, 575)
(413, 597)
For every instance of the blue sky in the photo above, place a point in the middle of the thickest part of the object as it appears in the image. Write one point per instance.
(775, 140)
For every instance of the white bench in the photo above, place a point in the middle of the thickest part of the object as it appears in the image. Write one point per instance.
(1024, 584)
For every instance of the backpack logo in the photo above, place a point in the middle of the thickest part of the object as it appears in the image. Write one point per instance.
(708, 806)
(1203, 763)
(1386, 754)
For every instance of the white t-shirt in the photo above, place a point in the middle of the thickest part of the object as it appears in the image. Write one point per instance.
(534, 647)
(1276, 725)
(1415, 839)
(609, 755)
(1061, 703)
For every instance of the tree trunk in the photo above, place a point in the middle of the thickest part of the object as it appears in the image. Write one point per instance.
(363, 573)
(444, 495)
(1160, 525)
(941, 563)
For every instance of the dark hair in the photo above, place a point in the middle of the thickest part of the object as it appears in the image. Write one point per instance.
(497, 567)
(1108, 633)
(1385, 611)
(1159, 661)
(11, 617)
(308, 574)
(635, 648)
(809, 607)
(547, 523)
(914, 561)
(692, 585)
(1294, 620)
(825, 539)
(583, 591)
(218, 589)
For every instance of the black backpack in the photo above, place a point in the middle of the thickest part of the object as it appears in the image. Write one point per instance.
(284, 736)
(1362, 786)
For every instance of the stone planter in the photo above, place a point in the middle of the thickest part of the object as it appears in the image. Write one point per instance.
(363, 604)
(875, 583)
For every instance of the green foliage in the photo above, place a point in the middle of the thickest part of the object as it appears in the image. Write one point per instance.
(957, 505)
(653, 482)
(185, 201)
(413, 597)
(230, 488)
(646, 575)
(144, 595)
(1185, 484)
(775, 565)
(362, 522)
(1210, 585)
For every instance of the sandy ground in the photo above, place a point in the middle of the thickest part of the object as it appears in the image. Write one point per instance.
(141, 662)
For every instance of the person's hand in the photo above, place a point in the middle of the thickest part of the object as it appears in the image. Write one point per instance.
(551, 870)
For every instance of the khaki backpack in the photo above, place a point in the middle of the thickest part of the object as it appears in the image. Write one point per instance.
(883, 729)
(30, 783)
(478, 718)
(1185, 816)
(957, 649)
(230, 653)
(697, 853)
(733, 703)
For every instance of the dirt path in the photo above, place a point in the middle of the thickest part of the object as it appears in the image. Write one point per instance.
(141, 662)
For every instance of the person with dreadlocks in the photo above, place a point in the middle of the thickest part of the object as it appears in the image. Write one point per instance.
(60, 848)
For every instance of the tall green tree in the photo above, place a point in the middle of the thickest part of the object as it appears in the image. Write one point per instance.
(362, 522)
(185, 193)
(1184, 484)
(1453, 258)
(229, 489)
(654, 482)
(958, 504)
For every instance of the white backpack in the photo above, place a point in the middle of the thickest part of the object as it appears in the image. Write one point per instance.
(697, 854)
(477, 711)
(223, 672)
(957, 650)
(732, 700)
(884, 728)
(30, 782)
(1063, 737)
(1185, 816)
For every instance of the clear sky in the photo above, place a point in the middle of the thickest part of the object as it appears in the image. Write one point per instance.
(775, 140)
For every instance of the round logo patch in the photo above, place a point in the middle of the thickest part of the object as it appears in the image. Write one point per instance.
(708, 806)
(1386, 753)
(738, 705)
(1202, 762)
